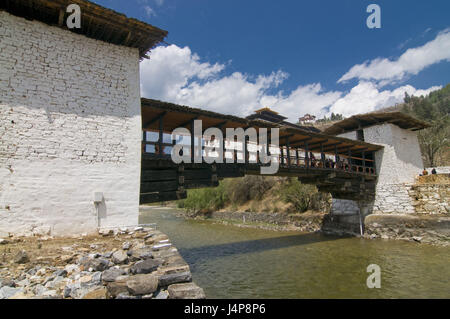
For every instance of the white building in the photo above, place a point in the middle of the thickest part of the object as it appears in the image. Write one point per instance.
(70, 117)
(397, 164)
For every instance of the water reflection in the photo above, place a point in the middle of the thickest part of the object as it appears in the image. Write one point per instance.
(233, 262)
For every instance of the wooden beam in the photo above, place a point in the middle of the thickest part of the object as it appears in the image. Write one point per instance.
(153, 120)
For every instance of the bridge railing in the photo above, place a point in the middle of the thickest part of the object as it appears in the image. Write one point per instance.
(160, 146)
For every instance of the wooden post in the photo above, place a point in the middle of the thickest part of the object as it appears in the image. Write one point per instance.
(245, 150)
(364, 161)
(322, 155)
(306, 155)
(160, 140)
(296, 157)
(282, 155)
(349, 160)
(192, 141)
(288, 151)
(335, 156)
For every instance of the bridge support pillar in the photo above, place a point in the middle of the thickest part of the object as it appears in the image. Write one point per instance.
(347, 216)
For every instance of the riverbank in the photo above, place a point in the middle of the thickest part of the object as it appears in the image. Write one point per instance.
(429, 229)
(305, 222)
(133, 263)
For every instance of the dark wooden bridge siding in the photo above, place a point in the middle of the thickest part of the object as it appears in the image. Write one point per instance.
(162, 179)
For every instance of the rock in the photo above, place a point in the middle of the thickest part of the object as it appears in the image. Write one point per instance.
(145, 266)
(111, 274)
(66, 258)
(23, 283)
(60, 273)
(162, 294)
(7, 282)
(7, 292)
(142, 253)
(21, 257)
(50, 293)
(97, 264)
(67, 291)
(107, 255)
(142, 284)
(55, 282)
(126, 245)
(169, 279)
(105, 232)
(22, 295)
(116, 288)
(72, 268)
(98, 293)
(159, 246)
(126, 295)
(119, 257)
(186, 291)
(3, 241)
(384, 236)
(417, 239)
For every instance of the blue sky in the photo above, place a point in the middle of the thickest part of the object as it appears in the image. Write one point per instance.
(294, 56)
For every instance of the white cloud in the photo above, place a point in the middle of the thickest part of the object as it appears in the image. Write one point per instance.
(365, 97)
(149, 11)
(409, 63)
(177, 75)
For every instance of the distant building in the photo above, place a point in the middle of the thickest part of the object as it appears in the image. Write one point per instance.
(268, 115)
(307, 119)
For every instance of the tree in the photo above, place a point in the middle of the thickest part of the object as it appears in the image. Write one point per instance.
(433, 140)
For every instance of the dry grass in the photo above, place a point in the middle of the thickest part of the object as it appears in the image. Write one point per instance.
(433, 179)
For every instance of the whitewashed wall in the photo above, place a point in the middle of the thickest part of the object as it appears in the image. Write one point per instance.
(398, 164)
(69, 126)
(400, 161)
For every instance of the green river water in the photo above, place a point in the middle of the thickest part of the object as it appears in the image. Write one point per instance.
(235, 262)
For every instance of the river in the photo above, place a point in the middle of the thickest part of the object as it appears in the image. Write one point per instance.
(235, 262)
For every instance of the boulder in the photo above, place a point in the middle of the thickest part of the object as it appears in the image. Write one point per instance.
(96, 264)
(175, 278)
(111, 274)
(186, 291)
(119, 257)
(98, 293)
(142, 284)
(116, 288)
(145, 266)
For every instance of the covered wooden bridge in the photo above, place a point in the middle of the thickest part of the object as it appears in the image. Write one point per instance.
(345, 168)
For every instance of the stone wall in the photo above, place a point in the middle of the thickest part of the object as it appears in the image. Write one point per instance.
(431, 198)
(70, 126)
(439, 169)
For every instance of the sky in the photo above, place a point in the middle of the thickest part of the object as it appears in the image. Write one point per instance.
(295, 57)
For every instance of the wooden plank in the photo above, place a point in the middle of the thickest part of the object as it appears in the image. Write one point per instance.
(199, 183)
(161, 197)
(161, 186)
(197, 173)
(158, 175)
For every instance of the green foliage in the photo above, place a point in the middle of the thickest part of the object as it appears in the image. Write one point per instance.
(435, 109)
(299, 195)
(332, 118)
(205, 199)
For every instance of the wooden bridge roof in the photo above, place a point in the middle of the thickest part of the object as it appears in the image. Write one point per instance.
(359, 121)
(97, 22)
(181, 116)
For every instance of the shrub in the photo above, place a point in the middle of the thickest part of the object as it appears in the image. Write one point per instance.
(298, 194)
